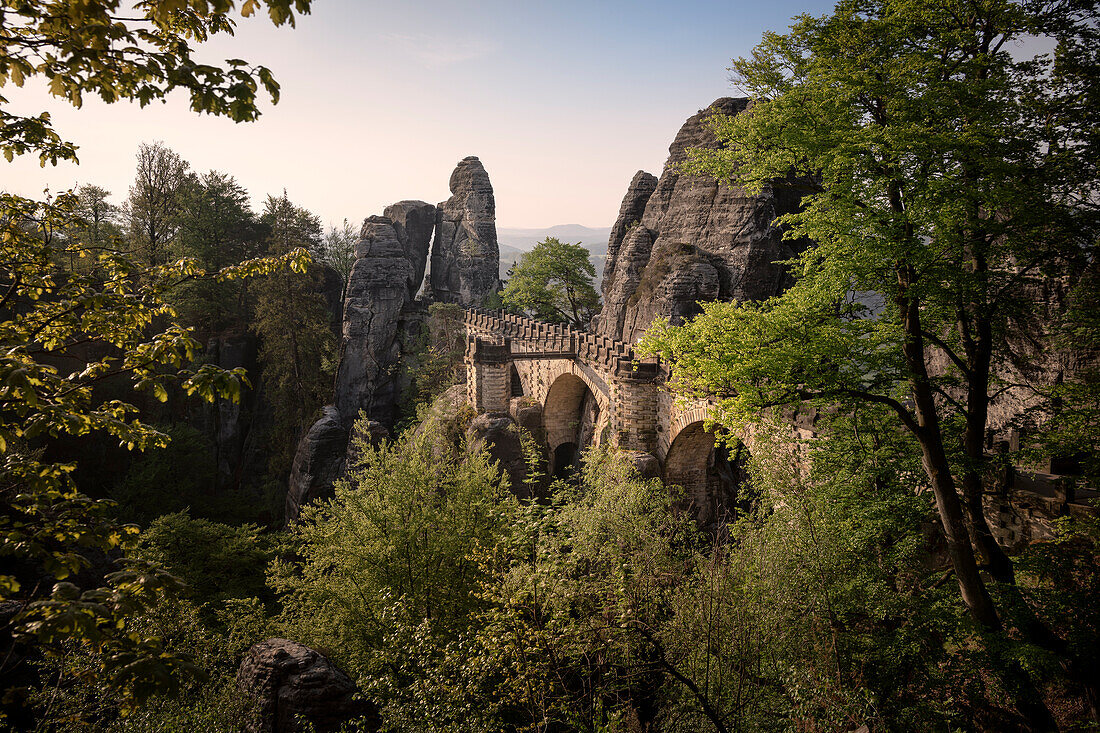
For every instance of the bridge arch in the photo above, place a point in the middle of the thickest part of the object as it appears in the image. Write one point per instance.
(713, 476)
(573, 412)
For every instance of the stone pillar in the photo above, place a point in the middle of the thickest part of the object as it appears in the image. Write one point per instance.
(488, 374)
(634, 413)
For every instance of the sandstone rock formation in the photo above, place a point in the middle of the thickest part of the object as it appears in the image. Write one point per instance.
(227, 423)
(383, 315)
(318, 462)
(332, 290)
(288, 680)
(687, 238)
(630, 215)
(380, 289)
(497, 433)
(465, 255)
(414, 223)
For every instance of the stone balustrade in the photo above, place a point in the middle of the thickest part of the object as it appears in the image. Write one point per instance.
(526, 336)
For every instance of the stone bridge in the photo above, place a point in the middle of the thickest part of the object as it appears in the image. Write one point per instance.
(594, 391)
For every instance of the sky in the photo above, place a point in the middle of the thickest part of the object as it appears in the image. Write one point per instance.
(563, 101)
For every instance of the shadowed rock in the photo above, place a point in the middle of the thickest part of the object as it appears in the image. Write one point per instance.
(288, 681)
(318, 462)
(630, 215)
(413, 222)
(377, 296)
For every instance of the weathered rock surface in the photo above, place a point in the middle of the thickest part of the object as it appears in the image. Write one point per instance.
(382, 317)
(630, 215)
(500, 434)
(226, 422)
(646, 464)
(414, 223)
(332, 290)
(289, 680)
(497, 433)
(465, 254)
(696, 239)
(318, 462)
(374, 309)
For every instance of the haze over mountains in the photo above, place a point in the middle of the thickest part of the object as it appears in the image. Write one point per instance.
(514, 242)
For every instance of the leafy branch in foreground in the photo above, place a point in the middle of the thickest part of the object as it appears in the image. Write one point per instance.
(137, 51)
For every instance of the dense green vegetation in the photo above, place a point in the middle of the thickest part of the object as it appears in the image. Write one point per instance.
(456, 607)
(861, 586)
(949, 185)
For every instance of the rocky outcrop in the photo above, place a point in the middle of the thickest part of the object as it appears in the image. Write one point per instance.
(292, 684)
(383, 315)
(465, 255)
(364, 433)
(228, 422)
(380, 289)
(630, 215)
(497, 433)
(318, 462)
(414, 223)
(332, 290)
(695, 239)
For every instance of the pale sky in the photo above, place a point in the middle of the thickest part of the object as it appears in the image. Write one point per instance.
(562, 101)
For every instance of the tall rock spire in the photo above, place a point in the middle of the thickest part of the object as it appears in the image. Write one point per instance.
(465, 255)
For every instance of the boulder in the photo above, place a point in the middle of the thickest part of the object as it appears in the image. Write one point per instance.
(500, 434)
(318, 462)
(465, 255)
(695, 239)
(646, 464)
(289, 681)
(527, 414)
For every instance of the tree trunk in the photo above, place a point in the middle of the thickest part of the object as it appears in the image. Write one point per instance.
(975, 595)
(977, 403)
(936, 465)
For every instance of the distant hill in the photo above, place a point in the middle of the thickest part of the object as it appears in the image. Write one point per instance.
(514, 242)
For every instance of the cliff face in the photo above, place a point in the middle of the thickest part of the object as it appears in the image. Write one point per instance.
(381, 286)
(684, 238)
(382, 316)
(465, 254)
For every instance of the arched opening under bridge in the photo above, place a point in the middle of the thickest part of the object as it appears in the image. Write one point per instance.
(570, 415)
(714, 477)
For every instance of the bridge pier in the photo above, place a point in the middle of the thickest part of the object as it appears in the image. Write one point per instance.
(634, 413)
(488, 373)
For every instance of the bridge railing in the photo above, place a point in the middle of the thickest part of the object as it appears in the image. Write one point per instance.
(535, 337)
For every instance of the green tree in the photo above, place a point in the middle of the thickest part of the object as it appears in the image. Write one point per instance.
(297, 346)
(337, 249)
(954, 178)
(399, 540)
(102, 216)
(154, 207)
(218, 228)
(62, 333)
(553, 283)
